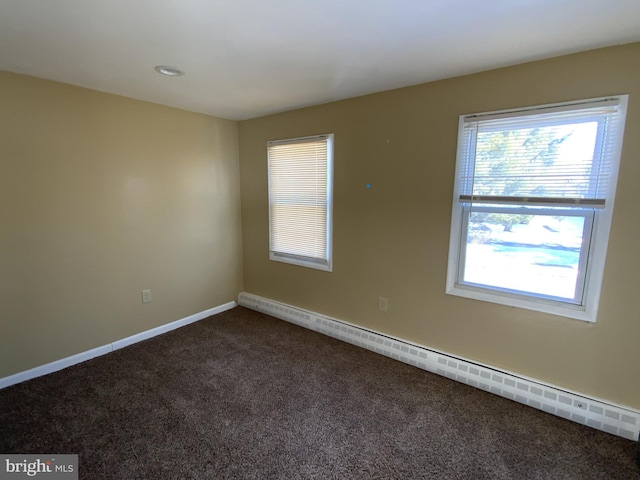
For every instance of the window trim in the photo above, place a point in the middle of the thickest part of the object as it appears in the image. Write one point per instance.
(326, 263)
(597, 249)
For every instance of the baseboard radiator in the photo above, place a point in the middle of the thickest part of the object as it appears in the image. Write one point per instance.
(614, 419)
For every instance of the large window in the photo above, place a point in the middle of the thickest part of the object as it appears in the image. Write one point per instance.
(532, 205)
(300, 201)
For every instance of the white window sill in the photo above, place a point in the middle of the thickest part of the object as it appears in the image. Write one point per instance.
(577, 312)
(301, 262)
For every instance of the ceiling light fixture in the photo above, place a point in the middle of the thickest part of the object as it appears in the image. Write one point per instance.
(169, 71)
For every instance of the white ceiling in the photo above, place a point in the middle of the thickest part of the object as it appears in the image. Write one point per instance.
(248, 58)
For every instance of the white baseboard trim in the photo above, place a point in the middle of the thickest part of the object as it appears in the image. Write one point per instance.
(580, 408)
(110, 347)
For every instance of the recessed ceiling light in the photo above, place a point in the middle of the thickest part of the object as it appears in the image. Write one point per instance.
(169, 71)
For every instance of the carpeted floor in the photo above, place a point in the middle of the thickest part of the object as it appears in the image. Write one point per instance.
(244, 395)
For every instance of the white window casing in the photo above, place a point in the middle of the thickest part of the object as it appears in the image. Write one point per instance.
(301, 201)
(556, 164)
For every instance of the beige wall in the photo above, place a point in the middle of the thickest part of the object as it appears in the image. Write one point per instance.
(100, 197)
(392, 240)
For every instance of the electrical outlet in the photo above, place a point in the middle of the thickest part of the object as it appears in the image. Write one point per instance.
(383, 304)
(146, 296)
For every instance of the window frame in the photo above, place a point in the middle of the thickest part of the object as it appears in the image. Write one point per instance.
(326, 262)
(593, 250)
(588, 226)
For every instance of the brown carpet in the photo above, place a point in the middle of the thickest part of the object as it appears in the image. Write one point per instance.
(244, 395)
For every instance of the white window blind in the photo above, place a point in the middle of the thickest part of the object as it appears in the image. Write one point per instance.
(300, 200)
(503, 161)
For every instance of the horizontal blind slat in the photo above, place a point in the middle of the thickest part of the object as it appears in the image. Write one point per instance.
(562, 153)
(298, 196)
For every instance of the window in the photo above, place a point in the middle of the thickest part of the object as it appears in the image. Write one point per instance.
(532, 205)
(300, 201)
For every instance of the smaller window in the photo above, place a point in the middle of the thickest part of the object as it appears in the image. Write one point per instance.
(300, 201)
(532, 205)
